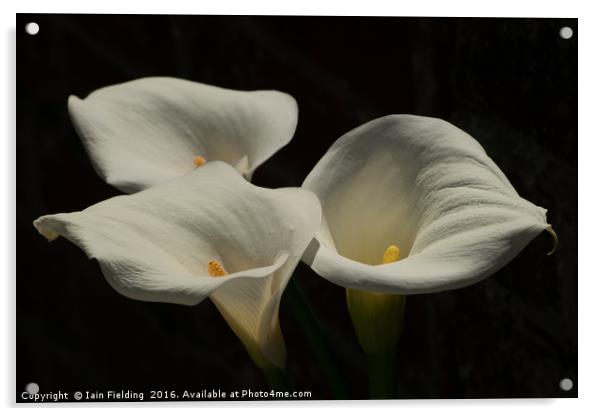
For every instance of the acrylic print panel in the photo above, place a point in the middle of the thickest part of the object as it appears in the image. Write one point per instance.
(509, 83)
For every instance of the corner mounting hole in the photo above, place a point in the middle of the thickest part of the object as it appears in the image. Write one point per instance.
(566, 32)
(32, 28)
(32, 388)
(566, 384)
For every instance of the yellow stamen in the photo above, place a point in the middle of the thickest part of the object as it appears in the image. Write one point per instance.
(199, 161)
(391, 254)
(216, 269)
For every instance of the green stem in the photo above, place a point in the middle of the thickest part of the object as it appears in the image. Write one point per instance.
(301, 311)
(381, 375)
(278, 379)
(378, 322)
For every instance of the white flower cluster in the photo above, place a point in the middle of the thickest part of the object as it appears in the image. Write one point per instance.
(194, 227)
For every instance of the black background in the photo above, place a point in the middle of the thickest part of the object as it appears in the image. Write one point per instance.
(511, 83)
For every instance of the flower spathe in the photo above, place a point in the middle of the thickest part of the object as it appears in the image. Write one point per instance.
(145, 132)
(428, 188)
(160, 245)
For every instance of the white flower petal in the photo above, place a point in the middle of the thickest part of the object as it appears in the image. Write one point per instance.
(425, 186)
(155, 245)
(144, 132)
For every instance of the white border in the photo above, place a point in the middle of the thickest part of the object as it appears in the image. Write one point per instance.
(590, 186)
(507, 8)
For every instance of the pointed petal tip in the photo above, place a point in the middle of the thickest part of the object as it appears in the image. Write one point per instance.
(72, 101)
(550, 230)
(48, 233)
(76, 107)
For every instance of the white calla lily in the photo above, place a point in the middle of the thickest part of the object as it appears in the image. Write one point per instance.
(208, 233)
(147, 131)
(425, 187)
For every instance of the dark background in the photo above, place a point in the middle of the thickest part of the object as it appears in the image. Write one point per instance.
(511, 83)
